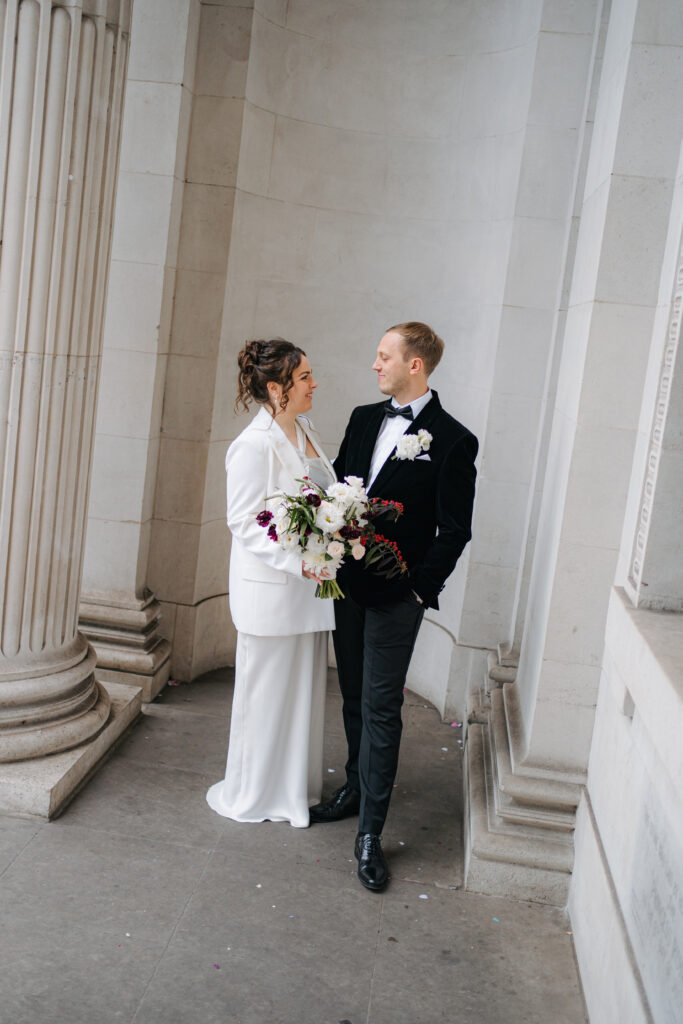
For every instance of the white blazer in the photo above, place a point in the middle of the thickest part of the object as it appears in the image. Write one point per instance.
(269, 596)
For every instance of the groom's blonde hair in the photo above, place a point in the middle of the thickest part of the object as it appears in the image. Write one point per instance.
(421, 341)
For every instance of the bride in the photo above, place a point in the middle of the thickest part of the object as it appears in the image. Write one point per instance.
(274, 768)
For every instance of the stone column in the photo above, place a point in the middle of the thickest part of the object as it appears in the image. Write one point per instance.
(120, 613)
(529, 742)
(60, 102)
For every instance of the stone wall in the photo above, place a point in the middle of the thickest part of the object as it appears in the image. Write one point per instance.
(380, 174)
(626, 897)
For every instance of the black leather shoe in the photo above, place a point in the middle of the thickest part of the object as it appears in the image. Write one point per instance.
(373, 872)
(344, 804)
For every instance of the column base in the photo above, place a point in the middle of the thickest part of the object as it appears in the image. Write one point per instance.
(519, 825)
(42, 787)
(128, 648)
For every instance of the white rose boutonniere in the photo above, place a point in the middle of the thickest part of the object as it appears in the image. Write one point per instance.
(411, 445)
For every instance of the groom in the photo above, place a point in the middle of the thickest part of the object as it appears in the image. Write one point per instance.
(378, 622)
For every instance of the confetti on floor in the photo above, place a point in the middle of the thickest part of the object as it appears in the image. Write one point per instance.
(424, 896)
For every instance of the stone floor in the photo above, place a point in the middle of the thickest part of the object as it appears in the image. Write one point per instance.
(141, 905)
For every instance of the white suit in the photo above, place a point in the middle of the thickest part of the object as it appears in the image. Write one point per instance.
(274, 768)
(268, 594)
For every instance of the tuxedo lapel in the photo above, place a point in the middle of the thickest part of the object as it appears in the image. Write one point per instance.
(423, 421)
(367, 441)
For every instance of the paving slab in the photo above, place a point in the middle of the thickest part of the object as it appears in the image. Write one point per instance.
(141, 905)
(70, 878)
(144, 800)
(15, 835)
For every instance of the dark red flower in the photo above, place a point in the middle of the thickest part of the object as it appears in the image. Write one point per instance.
(263, 518)
(272, 531)
(313, 499)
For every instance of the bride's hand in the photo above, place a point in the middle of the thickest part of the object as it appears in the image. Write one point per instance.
(309, 575)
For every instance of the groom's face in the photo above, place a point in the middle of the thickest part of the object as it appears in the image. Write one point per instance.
(391, 365)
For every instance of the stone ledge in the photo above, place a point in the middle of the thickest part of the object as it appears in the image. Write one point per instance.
(129, 673)
(555, 801)
(126, 641)
(41, 788)
(502, 858)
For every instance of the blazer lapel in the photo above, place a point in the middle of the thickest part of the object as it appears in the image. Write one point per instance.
(285, 452)
(312, 436)
(421, 422)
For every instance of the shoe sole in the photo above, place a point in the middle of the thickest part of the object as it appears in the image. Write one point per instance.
(372, 888)
(314, 819)
(325, 821)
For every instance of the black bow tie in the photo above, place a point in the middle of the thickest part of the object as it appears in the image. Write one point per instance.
(391, 410)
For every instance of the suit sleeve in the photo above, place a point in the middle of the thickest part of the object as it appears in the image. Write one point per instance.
(247, 480)
(454, 502)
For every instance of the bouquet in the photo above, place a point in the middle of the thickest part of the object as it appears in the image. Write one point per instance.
(328, 526)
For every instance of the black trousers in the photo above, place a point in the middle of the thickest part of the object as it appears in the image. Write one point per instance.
(373, 647)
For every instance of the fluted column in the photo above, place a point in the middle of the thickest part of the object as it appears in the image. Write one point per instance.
(60, 102)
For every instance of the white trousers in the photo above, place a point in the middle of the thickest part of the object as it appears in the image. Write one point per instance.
(275, 753)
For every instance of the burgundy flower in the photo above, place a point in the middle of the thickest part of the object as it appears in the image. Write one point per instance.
(263, 518)
(272, 531)
(313, 499)
(350, 532)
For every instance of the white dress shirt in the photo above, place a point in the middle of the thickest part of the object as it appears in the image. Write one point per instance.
(391, 430)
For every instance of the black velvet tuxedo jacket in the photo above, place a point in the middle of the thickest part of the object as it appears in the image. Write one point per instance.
(437, 495)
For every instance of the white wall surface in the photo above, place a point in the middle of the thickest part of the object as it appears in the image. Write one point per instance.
(389, 160)
(606, 347)
(140, 298)
(626, 900)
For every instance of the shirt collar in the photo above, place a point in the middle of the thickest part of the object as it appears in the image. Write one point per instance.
(418, 405)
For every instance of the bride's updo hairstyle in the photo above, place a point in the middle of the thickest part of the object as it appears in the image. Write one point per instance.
(262, 363)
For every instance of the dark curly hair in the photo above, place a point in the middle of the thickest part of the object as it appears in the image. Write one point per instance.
(264, 362)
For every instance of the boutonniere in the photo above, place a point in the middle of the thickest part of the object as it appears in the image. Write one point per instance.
(412, 445)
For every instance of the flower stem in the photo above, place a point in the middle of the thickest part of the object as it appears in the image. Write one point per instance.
(329, 588)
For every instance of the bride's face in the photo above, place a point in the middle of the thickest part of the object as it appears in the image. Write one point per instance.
(300, 395)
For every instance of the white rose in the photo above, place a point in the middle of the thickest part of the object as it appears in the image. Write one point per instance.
(358, 551)
(335, 549)
(408, 447)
